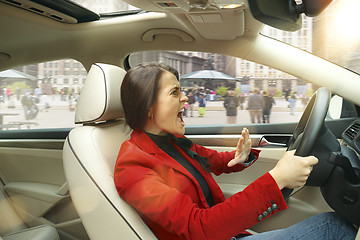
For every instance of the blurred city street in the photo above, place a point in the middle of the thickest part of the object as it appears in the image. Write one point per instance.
(215, 114)
(60, 116)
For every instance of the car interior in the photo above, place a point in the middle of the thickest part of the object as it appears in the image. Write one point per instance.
(57, 183)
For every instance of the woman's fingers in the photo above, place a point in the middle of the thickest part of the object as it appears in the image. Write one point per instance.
(243, 148)
(240, 143)
(245, 134)
(293, 171)
(312, 160)
(232, 163)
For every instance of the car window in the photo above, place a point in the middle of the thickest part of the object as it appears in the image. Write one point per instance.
(41, 95)
(236, 91)
(103, 7)
(44, 95)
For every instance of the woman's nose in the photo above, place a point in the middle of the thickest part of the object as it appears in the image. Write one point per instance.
(184, 98)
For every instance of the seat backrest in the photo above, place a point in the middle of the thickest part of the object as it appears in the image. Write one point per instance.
(89, 156)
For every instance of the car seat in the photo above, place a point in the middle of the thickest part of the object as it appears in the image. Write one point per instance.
(43, 232)
(89, 156)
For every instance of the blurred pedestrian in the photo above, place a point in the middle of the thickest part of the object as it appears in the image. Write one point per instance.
(11, 102)
(231, 104)
(241, 101)
(2, 94)
(255, 106)
(8, 93)
(191, 102)
(202, 105)
(62, 94)
(38, 92)
(287, 94)
(268, 103)
(71, 102)
(18, 91)
(29, 105)
(292, 103)
(186, 107)
(45, 101)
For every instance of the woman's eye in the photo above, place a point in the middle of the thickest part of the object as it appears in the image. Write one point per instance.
(175, 92)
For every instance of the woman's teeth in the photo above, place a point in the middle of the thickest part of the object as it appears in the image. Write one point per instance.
(180, 114)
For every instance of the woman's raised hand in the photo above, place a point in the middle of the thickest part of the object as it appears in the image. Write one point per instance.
(243, 148)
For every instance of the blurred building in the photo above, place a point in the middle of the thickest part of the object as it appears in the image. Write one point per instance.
(64, 75)
(254, 75)
(187, 62)
(69, 75)
(336, 37)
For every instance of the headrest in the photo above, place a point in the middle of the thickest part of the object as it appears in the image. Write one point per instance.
(100, 96)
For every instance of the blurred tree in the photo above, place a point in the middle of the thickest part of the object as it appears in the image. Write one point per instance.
(23, 86)
(221, 91)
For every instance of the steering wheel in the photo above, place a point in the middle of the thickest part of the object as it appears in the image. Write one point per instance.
(309, 126)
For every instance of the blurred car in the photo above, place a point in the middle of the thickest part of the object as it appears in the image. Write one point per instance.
(48, 178)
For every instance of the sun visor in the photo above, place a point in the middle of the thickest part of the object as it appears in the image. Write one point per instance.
(224, 25)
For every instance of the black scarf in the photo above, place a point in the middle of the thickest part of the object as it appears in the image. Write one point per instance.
(185, 144)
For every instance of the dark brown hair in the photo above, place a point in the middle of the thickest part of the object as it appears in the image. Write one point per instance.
(139, 90)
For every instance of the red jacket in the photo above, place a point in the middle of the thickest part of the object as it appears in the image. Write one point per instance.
(171, 201)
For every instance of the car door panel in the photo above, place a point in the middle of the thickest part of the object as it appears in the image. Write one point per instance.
(32, 177)
(9, 219)
(31, 165)
(31, 170)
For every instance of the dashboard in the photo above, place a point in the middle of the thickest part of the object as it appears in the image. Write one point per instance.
(342, 189)
(351, 136)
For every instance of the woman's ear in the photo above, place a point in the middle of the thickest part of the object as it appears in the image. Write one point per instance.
(150, 115)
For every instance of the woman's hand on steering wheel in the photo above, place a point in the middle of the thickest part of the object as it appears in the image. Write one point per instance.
(293, 171)
(243, 149)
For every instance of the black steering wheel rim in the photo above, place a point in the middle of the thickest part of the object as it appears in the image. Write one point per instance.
(310, 123)
(309, 126)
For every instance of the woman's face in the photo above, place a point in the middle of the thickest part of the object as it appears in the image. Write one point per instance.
(166, 113)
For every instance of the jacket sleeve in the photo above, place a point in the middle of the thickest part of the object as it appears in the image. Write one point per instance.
(218, 160)
(153, 194)
(176, 213)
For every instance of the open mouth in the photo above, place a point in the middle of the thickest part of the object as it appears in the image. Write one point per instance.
(180, 116)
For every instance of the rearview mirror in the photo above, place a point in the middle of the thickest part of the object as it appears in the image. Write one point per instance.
(285, 14)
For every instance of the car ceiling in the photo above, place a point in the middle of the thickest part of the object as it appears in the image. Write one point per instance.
(28, 37)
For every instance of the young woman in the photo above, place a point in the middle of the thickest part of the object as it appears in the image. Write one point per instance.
(167, 178)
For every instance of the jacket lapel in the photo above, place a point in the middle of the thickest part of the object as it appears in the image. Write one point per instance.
(144, 142)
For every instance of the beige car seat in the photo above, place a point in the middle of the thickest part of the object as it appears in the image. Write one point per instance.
(42, 232)
(89, 156)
